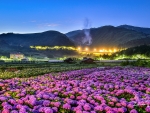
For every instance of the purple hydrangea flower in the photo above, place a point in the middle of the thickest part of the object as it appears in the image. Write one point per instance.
(14, 111)
(147, 109)
(99, 108)
(46, 102)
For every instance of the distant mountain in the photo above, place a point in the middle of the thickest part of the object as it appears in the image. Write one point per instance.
(138, 29)
(3, 44)
(105, 37)
(76, 36)
(109, 36)
(48, 38)
(137, 42)
(11, 42)
(142, 49)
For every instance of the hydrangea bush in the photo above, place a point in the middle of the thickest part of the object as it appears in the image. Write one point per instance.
(96, 90)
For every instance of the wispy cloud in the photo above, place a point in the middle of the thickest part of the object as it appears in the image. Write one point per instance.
(52, 25)
(43, 25)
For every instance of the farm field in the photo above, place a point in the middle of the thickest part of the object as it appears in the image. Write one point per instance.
(27, 70)
(92, 90)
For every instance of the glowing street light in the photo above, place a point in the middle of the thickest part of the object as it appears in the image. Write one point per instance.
(86, 49)
(110, 50)
(100, 50)
(94, 49)
(79, 48)
(115, 50)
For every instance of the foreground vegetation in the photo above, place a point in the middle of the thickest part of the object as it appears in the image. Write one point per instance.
(28, 70)
(11, 70)
(140, 63)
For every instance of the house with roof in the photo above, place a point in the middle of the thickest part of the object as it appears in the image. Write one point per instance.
(16, 56)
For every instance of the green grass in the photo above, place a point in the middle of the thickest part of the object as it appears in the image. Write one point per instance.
(28, 70)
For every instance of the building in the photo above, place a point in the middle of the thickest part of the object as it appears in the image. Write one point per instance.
(16, 55)
(25, 59)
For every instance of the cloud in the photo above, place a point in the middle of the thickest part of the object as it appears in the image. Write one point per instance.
(43, 25)
(52, 25)
(49, 24)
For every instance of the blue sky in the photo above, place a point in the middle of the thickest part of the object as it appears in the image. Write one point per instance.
(29, 16)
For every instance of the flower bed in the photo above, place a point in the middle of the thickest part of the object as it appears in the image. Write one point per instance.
(97, 90)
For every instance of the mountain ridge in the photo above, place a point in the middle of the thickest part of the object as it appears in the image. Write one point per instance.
(108, 36)
(14, 42)
(47, 38)
(105, 36)
(136, 28)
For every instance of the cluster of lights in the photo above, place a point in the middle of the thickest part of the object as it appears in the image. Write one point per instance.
(75, 49)
(98, 50)
(53, 48)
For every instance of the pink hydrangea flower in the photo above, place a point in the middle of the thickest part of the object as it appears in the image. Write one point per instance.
(130, 106)
(5, 111)
(99, 108)
(67, 106)
(133, 111)
(87, 107)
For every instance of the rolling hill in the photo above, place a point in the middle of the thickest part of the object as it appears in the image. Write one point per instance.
(110, 36)
(142, 49)
(105, 36)
(138, 29)
(11, 42)
(48, 38)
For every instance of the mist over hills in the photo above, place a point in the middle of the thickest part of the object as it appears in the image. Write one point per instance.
(110, 36)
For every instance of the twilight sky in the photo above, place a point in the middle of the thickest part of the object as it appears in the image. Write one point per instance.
(29, 16)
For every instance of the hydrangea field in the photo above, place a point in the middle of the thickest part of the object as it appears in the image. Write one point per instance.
(95, 90)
